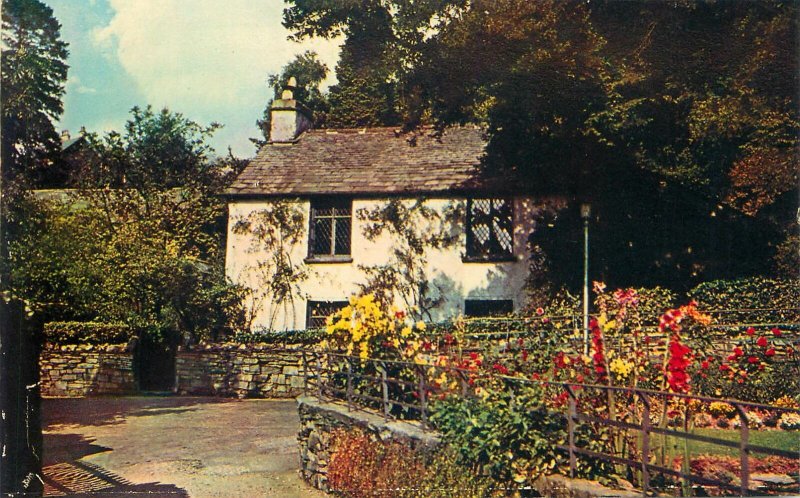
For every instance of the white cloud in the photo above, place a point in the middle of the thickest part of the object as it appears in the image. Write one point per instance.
(206, 58)
(74, 83)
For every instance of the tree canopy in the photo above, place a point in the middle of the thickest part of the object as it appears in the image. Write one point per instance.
(34, 70)
(676, 120)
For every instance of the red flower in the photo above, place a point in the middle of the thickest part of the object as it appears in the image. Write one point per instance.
(751, 331)
(540, 311)
(776, 331)
(501, 369)
(724, 367)
(752, 359)
(473, 356)
(737, 351)
(399, 314)
(732, 357)
(535, 376)
(770, 352)
(704, 365)
(524, 355)
(762, 341)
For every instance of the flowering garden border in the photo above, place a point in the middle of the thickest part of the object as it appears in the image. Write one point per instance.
(334, 376)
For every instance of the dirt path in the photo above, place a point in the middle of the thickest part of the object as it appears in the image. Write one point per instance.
(172, 447)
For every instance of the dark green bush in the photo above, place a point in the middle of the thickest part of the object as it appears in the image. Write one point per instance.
(87, 333)
(752, 293)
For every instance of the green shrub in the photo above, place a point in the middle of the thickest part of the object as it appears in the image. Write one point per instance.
(510, 436)
(87, 333)
(750, 293)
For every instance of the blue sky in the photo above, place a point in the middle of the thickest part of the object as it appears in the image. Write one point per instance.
(207, 59)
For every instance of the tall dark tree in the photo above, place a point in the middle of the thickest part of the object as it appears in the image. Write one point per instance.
(309, 72)
(32, 75)
(34, 70)
(382, 41)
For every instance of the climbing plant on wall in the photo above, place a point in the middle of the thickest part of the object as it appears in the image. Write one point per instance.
(414, 227)
(275, 231)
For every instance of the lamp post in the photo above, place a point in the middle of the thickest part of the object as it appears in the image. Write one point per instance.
(586, 212)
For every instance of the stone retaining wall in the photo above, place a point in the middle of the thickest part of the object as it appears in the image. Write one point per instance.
(85, 370)
(319, 419)
(243, 371)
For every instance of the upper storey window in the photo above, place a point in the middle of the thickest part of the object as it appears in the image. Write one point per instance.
(331, 222)
(490, 229)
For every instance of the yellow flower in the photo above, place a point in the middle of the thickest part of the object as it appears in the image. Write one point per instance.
(420, 325)
(405, 332)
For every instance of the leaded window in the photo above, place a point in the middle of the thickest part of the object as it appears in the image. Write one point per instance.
(319, 311)
(490, 228)
(330, 227)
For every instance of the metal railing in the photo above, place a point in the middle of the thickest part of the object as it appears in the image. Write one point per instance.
(365, 383)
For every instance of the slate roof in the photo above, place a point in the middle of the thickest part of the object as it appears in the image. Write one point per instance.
(369, 161)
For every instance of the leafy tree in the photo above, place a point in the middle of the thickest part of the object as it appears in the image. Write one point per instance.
(309, 72)
(141, 242)
(33, 75)
(382, 39)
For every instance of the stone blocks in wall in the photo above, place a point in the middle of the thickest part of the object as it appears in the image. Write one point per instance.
(242, 371)
(318, 420)
(86, 370)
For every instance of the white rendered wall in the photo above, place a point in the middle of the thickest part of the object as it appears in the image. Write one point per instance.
(452, 278)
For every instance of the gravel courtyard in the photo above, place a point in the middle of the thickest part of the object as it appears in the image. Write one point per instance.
(171, 446)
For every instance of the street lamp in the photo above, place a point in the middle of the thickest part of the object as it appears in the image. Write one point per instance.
(586, 212)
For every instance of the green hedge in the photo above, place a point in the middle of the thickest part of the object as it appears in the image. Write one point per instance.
(87, 333)
(752, 293)
(310, 336)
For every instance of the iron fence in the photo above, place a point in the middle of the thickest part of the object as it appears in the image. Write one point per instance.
(365, 383)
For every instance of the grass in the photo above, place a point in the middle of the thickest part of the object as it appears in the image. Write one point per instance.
(782, 440)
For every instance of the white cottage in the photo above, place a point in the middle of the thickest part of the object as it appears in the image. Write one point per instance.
(320, 215)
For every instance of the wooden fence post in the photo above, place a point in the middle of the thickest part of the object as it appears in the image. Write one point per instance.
(645, 441)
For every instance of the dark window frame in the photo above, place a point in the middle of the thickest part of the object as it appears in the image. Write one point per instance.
(494, 307)
(333, 306)
(341, 209)
(495, 250)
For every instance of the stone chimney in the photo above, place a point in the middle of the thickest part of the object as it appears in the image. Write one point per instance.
(288, 117)
(65, 136)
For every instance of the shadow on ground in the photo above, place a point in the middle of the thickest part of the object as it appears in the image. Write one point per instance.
(64, 472)
(108, 410)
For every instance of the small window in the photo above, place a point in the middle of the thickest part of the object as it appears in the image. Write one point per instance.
(330, 227)
(318, 311)
(488, 307)
(490, 229)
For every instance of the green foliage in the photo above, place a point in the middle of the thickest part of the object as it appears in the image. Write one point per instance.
(34, 70)
(157, 151)
(140, 243)
(87, 333)
(747, 293)
(307, 336)
(510, 436)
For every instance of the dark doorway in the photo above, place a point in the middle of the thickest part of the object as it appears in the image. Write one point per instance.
(155, 364)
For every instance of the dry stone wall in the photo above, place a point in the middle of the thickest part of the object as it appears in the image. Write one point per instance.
(318, 419)
(243, 371)
(86, 369)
